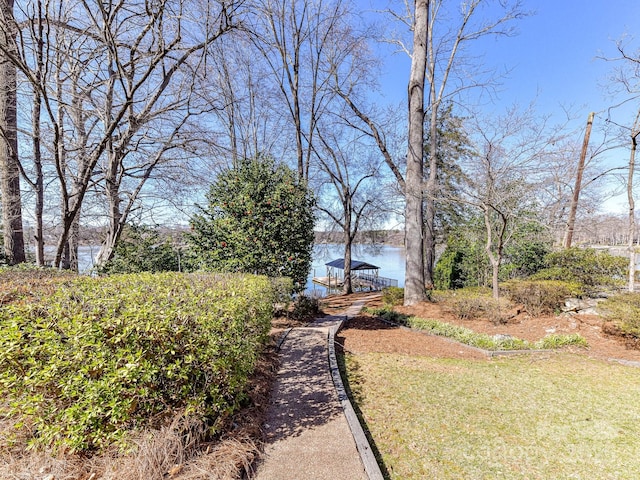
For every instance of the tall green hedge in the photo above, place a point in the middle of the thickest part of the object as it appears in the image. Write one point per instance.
(106, 355)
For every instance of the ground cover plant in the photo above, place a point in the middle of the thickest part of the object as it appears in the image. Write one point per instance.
(101, 357)
(557, 416)
(480, 340)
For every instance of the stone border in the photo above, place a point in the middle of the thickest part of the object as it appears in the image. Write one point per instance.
(371, 467)
(283, 337)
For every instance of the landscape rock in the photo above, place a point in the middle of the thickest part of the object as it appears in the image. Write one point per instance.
(586, 306)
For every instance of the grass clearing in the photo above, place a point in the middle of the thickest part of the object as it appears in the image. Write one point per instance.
(559, 416)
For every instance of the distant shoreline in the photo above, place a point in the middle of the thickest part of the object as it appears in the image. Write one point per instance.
(394, 238)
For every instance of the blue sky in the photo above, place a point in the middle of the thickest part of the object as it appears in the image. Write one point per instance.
(555, 53)
(553, 60)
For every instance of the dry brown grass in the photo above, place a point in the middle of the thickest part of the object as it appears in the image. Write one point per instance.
(179, 450)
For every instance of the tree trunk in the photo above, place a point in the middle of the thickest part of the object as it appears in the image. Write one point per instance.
(430, 199)
(39, 180)
(9, 166)
(347, 286)
(414, 290)
(571, 222)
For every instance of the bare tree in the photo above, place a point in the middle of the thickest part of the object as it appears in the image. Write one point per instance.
(626, 81)
(118, 91)
(635, 131)
(576, 191)
(9, 161)
(246, 102)
(295, 37)
(504, 175)
(349, 195)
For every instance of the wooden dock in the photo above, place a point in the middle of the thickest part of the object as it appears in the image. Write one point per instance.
(362, 282)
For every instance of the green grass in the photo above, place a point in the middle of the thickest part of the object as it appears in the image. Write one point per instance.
(558, 417)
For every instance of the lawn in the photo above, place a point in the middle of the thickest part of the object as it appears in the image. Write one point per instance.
(558, 416)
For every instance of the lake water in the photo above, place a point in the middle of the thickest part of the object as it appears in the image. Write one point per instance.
(391, 261)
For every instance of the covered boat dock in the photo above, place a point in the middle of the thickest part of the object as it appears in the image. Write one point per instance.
(364, 276)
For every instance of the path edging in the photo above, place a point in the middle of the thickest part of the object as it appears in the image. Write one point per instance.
(371, 467)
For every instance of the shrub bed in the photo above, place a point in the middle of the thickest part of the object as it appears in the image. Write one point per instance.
(474, 302)
(102, 356)
(479, 340)
(540, 297)
(24, 282)
(590, 268)
(624, 311)
(487, 342)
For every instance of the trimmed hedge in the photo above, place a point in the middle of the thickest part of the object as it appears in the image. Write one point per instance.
(103, 356)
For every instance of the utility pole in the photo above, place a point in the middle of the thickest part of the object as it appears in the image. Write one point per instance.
(571, 221)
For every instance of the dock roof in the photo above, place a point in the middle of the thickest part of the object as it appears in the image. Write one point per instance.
(355, 265)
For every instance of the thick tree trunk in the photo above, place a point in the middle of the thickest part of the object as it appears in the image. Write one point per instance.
(414, 289)
(347, 286)
(430, 199)
(9, 166)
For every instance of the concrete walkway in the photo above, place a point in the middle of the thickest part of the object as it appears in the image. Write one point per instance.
(308, 435)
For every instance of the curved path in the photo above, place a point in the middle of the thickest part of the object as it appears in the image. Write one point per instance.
(308, 434)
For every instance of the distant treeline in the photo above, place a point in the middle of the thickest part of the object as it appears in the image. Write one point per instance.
(386, 237)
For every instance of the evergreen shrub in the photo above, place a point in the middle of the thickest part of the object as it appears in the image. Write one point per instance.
(624, 311)
(102, 356)
(588, 267)
(540, 297)
(393, 296)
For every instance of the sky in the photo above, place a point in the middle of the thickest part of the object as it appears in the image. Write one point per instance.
(555, 55)
(553, 60)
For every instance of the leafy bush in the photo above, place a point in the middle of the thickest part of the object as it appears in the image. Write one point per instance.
(305, 308)
(393, 296)
(103, 356)
(586, 266)
(142, 249)
(388, 314)
(540, 297)
(624, 311)
(259, 219)
(471, 303)
(25, 282)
